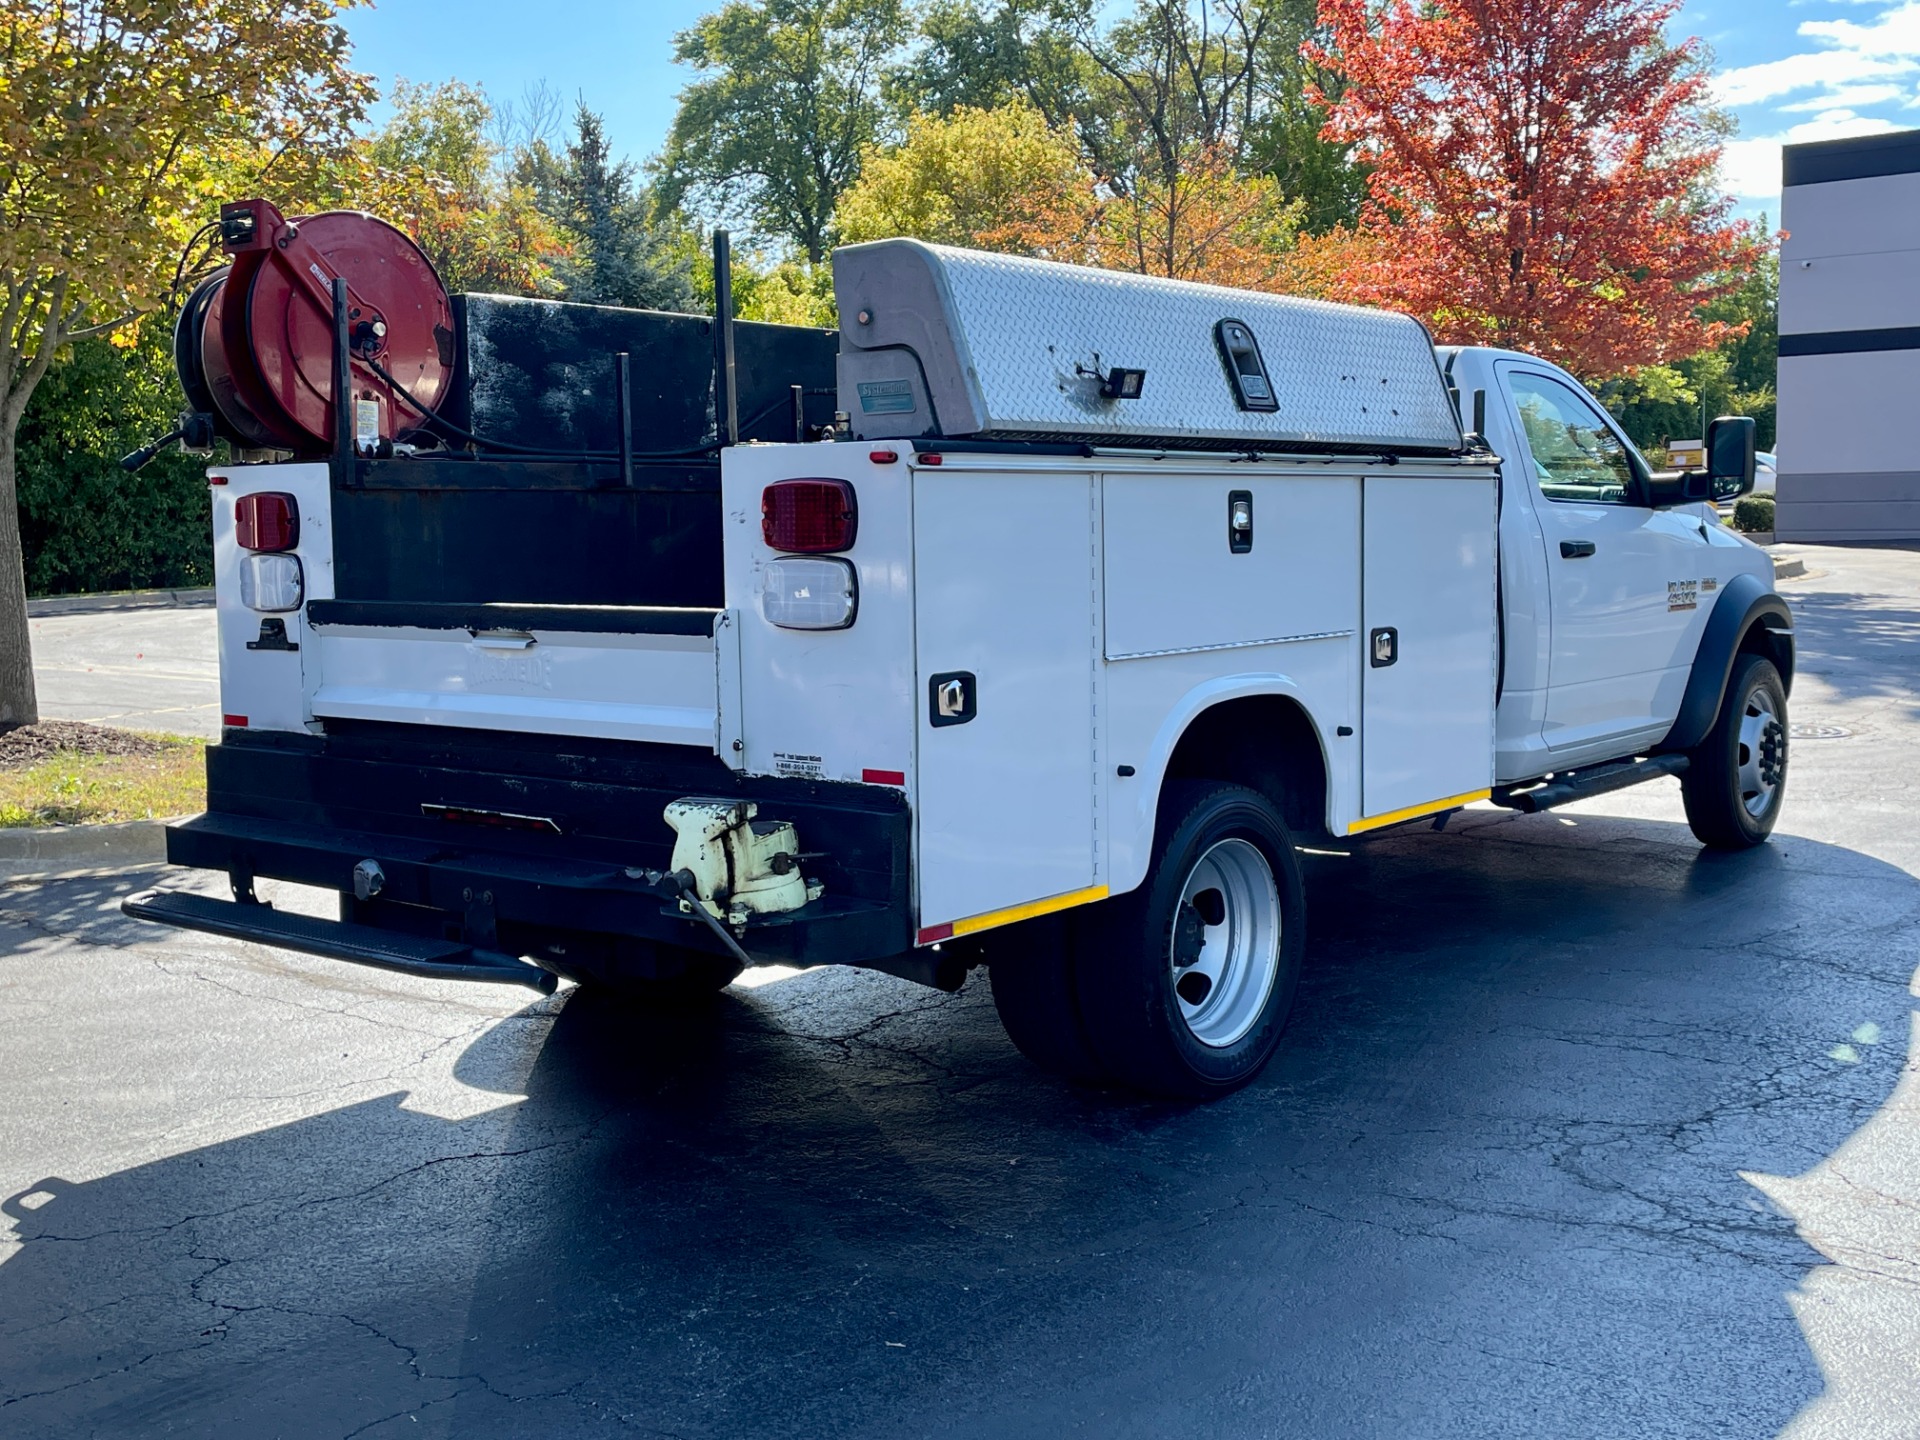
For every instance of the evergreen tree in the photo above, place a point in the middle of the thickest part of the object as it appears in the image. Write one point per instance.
(621, 254)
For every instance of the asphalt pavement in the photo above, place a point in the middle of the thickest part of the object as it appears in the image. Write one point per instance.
(143, 669)
(1577, 1131)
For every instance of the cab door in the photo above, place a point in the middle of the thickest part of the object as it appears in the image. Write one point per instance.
(1625, 580)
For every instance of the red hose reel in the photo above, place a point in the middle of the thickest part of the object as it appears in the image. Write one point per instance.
(255, 343)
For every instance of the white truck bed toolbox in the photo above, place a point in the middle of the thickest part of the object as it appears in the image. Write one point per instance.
(942, 342)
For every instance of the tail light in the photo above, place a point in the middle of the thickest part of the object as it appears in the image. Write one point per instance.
(800, 594)
(268, 520)
(271, 582)
(808, 517)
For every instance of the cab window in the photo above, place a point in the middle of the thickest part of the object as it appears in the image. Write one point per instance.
(1575, 455)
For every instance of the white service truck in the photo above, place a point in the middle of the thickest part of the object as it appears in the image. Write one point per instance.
(1102, 595)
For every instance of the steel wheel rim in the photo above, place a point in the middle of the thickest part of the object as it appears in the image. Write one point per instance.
(1761, 756)
(1225, 952)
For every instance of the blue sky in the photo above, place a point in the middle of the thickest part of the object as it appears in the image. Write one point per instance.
(1788, 69)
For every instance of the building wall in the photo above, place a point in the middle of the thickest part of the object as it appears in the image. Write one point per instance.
(1849, 378)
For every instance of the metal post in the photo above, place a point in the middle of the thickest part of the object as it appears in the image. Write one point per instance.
(623, 390)
(799, 413)
(725, 384)
(342, 386)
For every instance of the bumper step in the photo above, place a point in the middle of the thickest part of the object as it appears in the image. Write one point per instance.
(336, 939)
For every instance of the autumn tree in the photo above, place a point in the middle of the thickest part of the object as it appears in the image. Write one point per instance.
(788, 99)
(435, 170)
(115, 115)
(1541, 176)
(963, 178)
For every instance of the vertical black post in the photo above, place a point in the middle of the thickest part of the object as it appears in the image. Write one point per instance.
(725, 386)
(623, 392)
(799, 413)
(342, 387)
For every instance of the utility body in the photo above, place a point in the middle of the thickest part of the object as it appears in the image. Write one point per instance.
(1098, 598)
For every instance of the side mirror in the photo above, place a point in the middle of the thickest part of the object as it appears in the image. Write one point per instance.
(1730, 443)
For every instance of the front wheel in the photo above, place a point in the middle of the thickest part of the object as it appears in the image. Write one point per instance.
(1184, 985)
(1736, 778)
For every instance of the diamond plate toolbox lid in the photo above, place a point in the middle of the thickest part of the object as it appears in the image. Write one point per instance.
(936, 341)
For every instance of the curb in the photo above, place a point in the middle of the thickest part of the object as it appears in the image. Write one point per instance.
(1787, 564)
(41, 852)
(122, 600)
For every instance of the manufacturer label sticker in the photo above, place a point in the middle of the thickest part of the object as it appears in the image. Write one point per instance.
(886, 397)
(804, 767)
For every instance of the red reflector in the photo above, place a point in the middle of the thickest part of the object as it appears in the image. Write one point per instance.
(268, 520)
(884, 457)
(808, 517)
(884, 777)
(492, 819)
(934, 934)
(932, 460)
(216, 479)
(238, 722)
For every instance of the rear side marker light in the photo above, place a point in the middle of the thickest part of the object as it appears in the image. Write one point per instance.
(884, 777)
(884, 457)
(268, 520)
(933, 460)
(808, 517)
(234, 722)
(271, 583)
(802, 594)
(491, 819)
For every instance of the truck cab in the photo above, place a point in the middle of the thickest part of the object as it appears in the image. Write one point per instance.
(1608, 576)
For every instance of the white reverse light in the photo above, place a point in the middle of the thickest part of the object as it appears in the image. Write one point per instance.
(271, 583)
(799, 592)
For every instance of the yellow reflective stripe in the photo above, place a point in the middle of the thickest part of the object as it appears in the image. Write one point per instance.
(1414, 812)
(1029, 910)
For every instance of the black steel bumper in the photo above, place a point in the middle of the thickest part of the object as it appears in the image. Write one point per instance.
(309, 809)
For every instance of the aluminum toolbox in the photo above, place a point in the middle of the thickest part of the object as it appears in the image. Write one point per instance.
(936, 341)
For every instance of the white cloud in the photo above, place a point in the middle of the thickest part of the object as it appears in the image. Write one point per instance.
(1849, 53)
(1750, 169)
(1848, 97)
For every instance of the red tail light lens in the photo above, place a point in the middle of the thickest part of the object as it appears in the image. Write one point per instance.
(268, 520)
(808, 517)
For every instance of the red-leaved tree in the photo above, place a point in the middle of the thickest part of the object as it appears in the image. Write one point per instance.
(1542, 176)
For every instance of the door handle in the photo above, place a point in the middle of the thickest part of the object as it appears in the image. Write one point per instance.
(1575, 549)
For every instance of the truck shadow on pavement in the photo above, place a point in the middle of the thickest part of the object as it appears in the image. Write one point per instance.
(1561, 1111)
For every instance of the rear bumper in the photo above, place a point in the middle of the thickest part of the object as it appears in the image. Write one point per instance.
(308, 809)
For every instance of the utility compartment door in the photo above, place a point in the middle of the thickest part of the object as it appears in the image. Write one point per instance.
(1004, 604)
(1429, 553)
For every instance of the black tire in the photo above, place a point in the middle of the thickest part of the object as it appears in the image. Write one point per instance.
(659, 976)
(1736, 778)
(1137, 1023)
(1031, 967)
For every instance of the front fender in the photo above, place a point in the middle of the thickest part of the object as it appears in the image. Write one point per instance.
(1744, 603)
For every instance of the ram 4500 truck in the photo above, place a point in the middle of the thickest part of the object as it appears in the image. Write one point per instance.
(1031, 621)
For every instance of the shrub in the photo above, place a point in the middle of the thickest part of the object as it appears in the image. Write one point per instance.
(1754, 514)
(85, 524)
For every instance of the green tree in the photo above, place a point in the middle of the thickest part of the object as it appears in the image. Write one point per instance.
(115, 118)
(962, 178)
(621, 252)
(788, 99)
(1672, 402)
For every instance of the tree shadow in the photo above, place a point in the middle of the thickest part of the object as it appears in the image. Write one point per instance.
(1492, 1185)
(1863, 646)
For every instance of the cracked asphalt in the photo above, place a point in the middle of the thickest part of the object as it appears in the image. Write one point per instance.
(1578, 1131)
